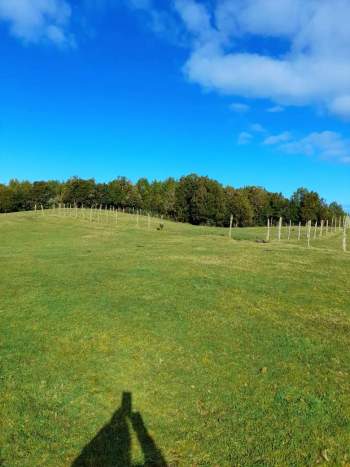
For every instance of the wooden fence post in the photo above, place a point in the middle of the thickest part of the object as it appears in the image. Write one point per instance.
(268, 230)
(321, 230)
(230, 231)
(280, 228)
(308, 233)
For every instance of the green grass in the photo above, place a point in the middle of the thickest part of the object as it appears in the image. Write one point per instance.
(183, 319)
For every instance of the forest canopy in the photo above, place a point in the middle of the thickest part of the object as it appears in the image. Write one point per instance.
(193, 198)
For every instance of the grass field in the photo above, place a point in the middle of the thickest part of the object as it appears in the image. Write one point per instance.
(122, 346)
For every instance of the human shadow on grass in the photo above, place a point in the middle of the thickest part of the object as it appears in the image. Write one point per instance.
(111, 447)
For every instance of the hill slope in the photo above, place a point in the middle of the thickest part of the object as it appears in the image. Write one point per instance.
(230, 352)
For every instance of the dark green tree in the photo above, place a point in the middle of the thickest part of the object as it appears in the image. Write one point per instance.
(79, 191)
(259, 200)
(238, 205)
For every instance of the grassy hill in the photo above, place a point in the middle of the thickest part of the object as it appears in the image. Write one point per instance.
(121, 345)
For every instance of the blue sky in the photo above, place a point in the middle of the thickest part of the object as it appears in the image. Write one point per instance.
(247, 92)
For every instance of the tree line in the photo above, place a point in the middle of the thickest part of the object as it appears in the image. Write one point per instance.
(194, 199)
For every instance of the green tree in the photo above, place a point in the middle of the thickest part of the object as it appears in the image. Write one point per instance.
(310, 207)
(238, 205)
(279, 206)
(122, 193)
(259, 200)
(79, 191)
(200, 200)
(144, 189)
(20, 194)
(6, 199)
(335, 210)
(42, 193)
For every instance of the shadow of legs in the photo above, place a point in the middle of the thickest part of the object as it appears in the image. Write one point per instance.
(111, 447)
(153, 456)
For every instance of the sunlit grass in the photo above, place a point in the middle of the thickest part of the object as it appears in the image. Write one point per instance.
(235, 352)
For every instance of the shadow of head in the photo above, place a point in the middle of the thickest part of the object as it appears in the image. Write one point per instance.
(126, 404)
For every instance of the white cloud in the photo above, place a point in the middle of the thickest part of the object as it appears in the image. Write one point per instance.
(239, 107)
(324, 145)
(276, 109)
(244, 138)
(341, 106)
(314, 68)
(276, 139)
(196, 19)
(257, 128)
(38, 20)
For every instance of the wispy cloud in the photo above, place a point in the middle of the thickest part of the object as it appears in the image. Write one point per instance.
(276, 139)
(341, 106)
(239, 107)
(257, 128)
(324, 145)
(34, 21)
(244, 138)
(276, 109)
(327, 145)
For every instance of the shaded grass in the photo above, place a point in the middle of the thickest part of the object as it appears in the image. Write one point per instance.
(184, 319)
